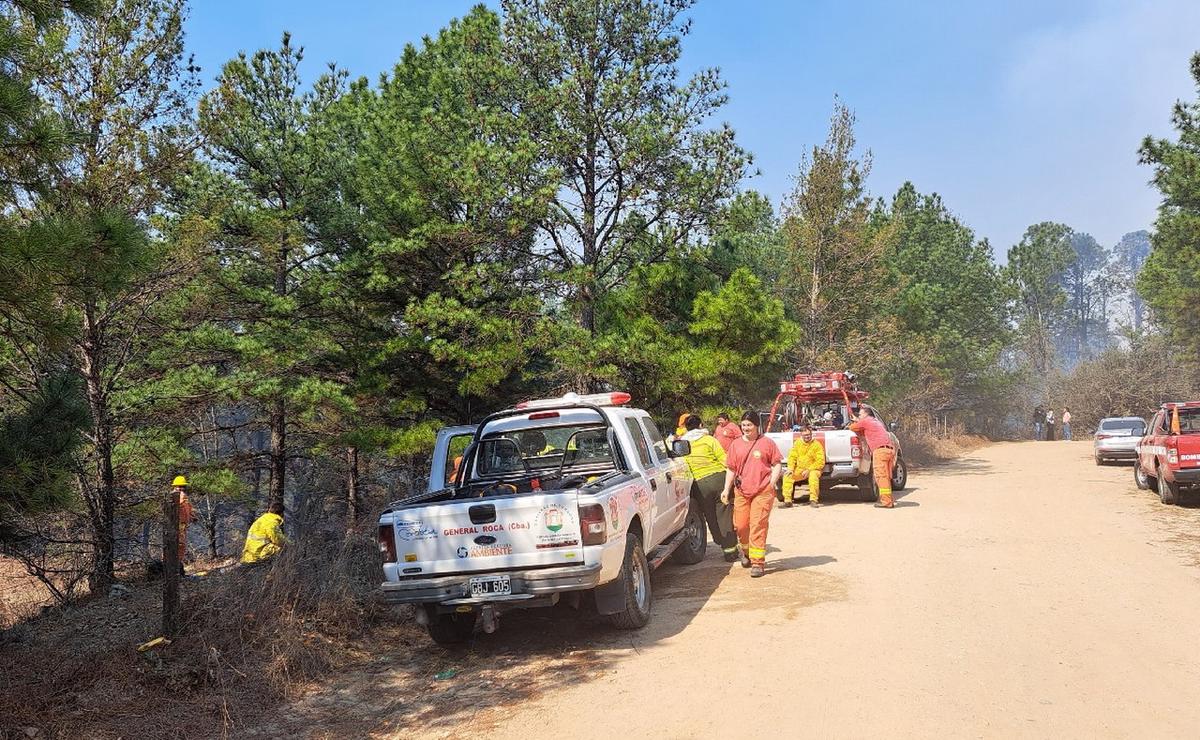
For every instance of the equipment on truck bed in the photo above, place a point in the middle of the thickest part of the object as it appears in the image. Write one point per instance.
(796, 398)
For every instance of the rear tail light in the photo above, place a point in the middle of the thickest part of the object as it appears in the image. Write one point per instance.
(1172, 456)
(855, 448)
(592, 525)
(387, 543)
(1100, 435)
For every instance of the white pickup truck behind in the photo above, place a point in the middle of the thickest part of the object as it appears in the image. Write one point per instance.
(552, 499)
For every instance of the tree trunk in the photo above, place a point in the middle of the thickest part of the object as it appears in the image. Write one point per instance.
(352, 497)
(101, 496)
(210, 526)
(170, 559)
(278, 453)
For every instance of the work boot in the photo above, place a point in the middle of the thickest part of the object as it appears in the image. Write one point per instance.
(814, 503)
(742, 556)
(787, 504)
(885, 503)
(757, 570)
(730, 555)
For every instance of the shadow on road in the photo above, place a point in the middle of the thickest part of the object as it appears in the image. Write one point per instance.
(799, 561)
(533, 652)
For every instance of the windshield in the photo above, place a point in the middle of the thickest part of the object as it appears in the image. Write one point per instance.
(1133, 426)
(1189, 421)
(544, 450)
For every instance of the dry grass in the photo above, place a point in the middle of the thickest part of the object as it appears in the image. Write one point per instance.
(21, 595)
(250, 639)
(921, 450)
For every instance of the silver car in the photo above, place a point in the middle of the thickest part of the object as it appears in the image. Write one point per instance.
(1117, 437)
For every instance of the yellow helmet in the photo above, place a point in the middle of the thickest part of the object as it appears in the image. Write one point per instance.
(179, 481)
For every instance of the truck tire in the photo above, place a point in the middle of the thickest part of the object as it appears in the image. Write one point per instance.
(691, 550)
(451, 629)
(899, 475)
(1140, 479)
(1168, 491)
(635, 580)
(866, 487)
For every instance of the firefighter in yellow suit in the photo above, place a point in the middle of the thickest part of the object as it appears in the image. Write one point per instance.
(805, 462)
(265, 537)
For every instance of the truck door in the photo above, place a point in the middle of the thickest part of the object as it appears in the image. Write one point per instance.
(657, 478)
(675, 503)
(448, 448)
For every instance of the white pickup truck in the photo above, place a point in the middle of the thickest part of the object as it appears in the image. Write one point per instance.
(553, 499)
(824, 401)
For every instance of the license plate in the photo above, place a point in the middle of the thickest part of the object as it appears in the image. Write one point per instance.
(491, 586)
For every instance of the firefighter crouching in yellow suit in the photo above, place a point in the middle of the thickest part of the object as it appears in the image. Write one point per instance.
(265, 537)
(805, 462)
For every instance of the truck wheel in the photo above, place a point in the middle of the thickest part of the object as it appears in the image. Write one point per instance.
(451, 629)
(635, 580)
(1099, 460)
(1168, 491)
(1140, 479)
(691, 550)
(899, 475)
(866, 487)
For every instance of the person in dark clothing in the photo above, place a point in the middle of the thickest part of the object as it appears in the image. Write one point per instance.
(1038, 416)
(1050, 425)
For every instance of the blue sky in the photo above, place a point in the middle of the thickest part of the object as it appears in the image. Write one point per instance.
(1014, 112)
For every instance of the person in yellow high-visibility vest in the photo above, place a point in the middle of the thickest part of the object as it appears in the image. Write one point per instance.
(805, 463)
(707, 463)
(265, 538)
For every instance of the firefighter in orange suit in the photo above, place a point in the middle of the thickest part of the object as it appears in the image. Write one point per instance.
(752, 470)
(883, 453)
(186, 514)
(805, 463)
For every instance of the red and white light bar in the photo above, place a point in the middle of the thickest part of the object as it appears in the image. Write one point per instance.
(618, 398)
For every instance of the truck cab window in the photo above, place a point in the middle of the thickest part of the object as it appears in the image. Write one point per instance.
(656, 440)
(639, 440)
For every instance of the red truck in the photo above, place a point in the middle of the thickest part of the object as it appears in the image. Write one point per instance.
(1168, 457)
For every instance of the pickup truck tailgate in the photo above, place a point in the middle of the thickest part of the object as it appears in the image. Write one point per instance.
(522, 531)
(837, 445)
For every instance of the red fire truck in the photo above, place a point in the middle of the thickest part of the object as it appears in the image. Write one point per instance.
(1168, 457)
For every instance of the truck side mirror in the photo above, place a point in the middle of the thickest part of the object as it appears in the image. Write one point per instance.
(893, 425)
(681, 448)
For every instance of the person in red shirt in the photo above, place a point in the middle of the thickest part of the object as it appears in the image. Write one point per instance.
(752, 469)
(726, 431)
(883, 453)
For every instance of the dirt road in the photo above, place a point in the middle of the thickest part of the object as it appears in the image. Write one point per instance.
(1021, 591)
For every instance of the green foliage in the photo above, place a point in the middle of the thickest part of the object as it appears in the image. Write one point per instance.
(1170, 278)
(36, 448)
(637, 174)
(1034, 276)
(86, 275)
(836, 285)
(951, 303)
(447, 184)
